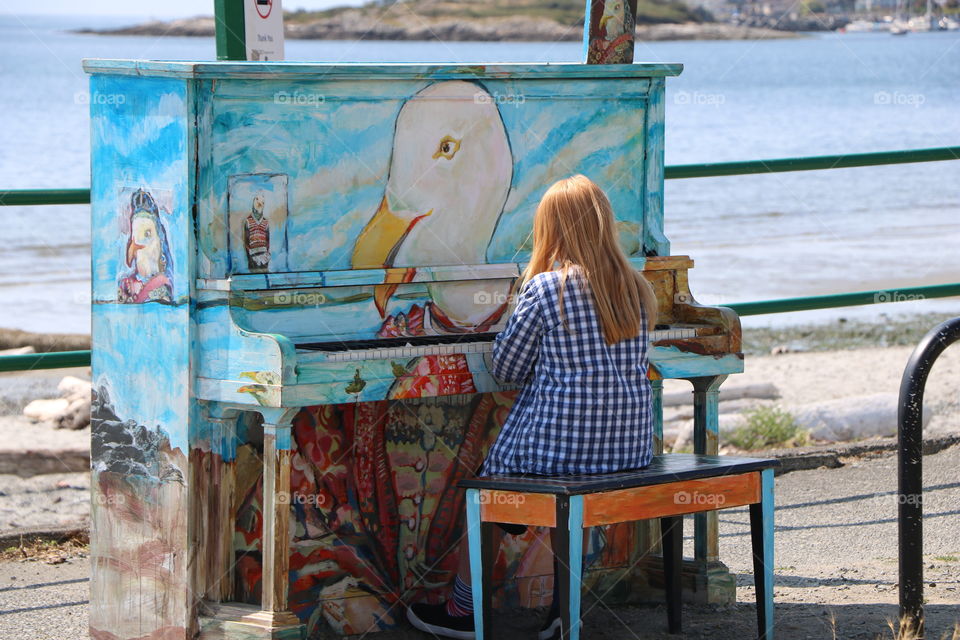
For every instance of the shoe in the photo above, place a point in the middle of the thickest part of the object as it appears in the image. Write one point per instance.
(433, 618)
(551, 627)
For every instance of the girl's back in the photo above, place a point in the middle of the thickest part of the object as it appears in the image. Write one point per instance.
(585, 405)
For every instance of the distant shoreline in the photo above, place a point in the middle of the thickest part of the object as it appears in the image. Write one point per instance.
(520, 29)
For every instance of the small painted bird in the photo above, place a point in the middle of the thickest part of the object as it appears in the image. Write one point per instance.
(357, 385)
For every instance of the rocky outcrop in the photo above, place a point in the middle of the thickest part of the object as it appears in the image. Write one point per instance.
(358, 25)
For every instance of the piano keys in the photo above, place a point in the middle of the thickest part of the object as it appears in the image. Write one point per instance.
(294, 305)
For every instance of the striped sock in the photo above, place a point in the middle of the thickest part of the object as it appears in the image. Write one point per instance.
(460, 602)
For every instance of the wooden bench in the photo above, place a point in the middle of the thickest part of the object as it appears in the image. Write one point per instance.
(671, 486)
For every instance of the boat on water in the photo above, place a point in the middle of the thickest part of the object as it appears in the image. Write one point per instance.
(899, 29)
(865, 26)
(901, 23)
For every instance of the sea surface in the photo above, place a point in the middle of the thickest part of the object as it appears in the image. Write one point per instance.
(752, 237)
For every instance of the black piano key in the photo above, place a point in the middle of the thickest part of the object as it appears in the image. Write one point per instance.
(384, 343)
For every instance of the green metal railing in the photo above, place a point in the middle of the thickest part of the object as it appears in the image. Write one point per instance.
(64, 359)
(813, 163)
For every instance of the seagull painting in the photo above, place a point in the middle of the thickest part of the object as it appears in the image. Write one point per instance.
(450, 172)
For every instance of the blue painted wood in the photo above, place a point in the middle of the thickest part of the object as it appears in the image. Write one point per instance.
(767, 507)
(575, 526)
(654, 239)
(476, 568)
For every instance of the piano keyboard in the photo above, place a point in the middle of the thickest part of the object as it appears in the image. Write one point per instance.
(412, 347)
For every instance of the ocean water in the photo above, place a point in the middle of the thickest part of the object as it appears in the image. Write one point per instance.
(752, 237)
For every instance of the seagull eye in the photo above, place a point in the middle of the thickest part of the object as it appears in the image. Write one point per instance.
(447, 148)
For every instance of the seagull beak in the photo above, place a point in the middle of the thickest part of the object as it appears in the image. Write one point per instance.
(377, 246)
(132, 248)
(604, 19)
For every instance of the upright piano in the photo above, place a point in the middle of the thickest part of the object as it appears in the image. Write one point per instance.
(298, 273)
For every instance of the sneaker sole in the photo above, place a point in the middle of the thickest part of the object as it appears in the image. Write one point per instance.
(549, 632)
(438, 631)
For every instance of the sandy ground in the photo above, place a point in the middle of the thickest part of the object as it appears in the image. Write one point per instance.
(836, 569)
(804, 378)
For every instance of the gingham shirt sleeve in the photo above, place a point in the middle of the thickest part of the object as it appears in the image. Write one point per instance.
(517, 346)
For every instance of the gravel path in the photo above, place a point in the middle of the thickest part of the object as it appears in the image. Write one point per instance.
(836, 536)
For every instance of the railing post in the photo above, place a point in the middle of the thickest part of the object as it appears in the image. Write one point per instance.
(910, 470)
(230, 30)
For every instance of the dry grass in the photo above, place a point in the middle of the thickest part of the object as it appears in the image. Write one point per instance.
(905, 631)
(902, 630)
(47, 551)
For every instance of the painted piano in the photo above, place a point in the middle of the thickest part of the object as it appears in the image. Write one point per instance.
(298, 271)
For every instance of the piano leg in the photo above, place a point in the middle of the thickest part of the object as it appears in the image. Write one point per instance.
(273, 614)
(648, 531)
(713, 583)
(706, 439)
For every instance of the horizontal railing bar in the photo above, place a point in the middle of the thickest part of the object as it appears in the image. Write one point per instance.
(49, 360)
(64, 359)
(23, 197)
(877, 296)
(842, 161)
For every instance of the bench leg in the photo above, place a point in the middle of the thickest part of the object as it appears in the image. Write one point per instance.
(482, 550)
(569, 554)
(672, 544)
(761, 535)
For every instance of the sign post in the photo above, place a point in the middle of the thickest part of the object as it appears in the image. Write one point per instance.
(249, 29)
(608, 31)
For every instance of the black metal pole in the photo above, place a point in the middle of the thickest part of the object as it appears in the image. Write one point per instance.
(910, 469)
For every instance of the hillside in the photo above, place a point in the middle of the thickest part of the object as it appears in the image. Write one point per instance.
(483, 20)
(567, 13)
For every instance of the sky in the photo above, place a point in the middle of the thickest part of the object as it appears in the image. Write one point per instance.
(147, 8)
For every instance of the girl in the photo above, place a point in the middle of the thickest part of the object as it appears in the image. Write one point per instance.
(577, 342)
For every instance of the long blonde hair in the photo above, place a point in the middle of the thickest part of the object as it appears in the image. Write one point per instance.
(574, 225)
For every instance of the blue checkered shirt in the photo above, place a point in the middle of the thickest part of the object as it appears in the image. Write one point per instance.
(585, 407)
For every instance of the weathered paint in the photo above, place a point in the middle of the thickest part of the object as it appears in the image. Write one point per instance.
(143, 244)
